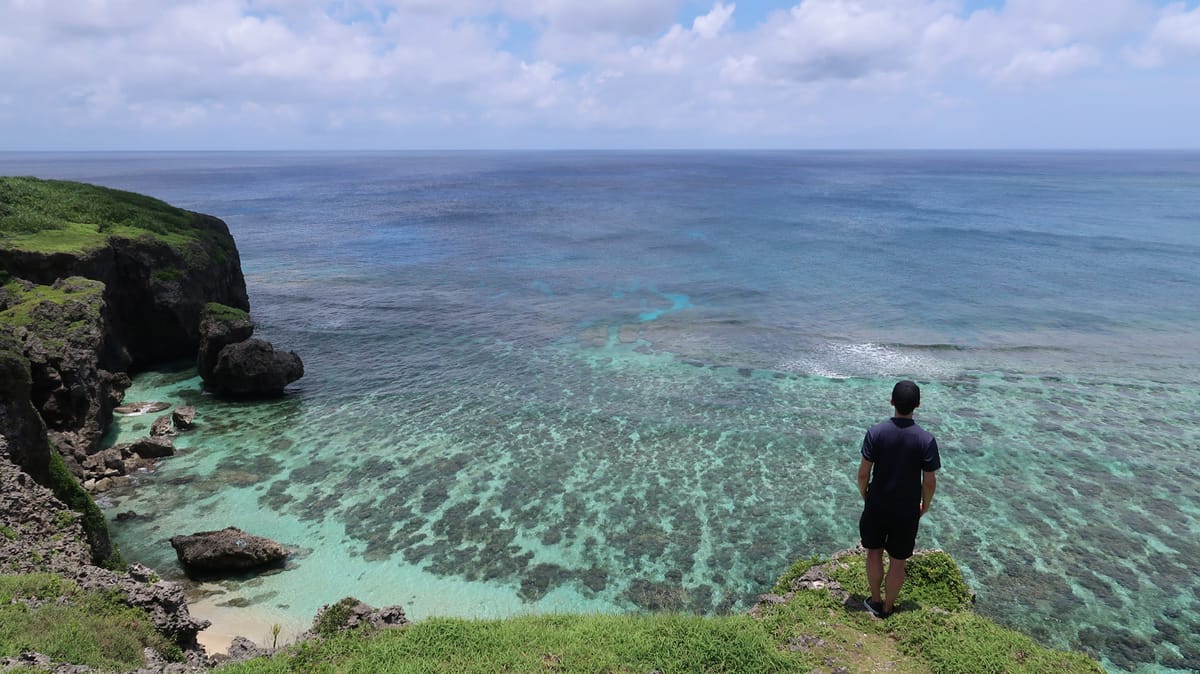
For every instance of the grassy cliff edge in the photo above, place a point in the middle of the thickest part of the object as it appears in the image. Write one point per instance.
(819, 627)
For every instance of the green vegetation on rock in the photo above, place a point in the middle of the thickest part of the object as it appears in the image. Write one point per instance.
(58, 216)
(68, 311)
(68, 490)
(220, 312)
(97, 629)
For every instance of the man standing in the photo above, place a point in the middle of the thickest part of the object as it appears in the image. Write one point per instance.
(896, 479)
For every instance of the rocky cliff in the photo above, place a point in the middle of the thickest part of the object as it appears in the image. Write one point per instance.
(94, 283)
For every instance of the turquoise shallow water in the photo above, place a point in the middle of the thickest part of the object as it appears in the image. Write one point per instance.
(613, 382)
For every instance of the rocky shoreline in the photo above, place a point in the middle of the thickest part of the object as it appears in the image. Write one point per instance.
(76, 318)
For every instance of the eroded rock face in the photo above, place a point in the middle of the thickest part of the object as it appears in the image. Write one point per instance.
(229, 550)
(22, 433)
(254, 368)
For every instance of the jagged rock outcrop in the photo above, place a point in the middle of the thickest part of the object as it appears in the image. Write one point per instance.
(229, 550)
(62, 330)
(233, 363)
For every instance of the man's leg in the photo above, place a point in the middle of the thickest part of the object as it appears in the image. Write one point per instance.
(875, 574)
(895, 578)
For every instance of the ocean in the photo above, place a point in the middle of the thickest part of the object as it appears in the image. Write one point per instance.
(618, 381)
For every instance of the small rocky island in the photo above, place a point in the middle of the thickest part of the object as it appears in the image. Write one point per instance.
(96, 284)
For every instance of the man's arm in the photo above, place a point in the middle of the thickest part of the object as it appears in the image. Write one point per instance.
(864, 477)
(928, 486)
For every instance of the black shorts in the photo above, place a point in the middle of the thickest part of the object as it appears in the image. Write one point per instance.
(897, 535)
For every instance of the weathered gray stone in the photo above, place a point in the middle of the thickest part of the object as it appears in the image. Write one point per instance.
(161, 426)
(229, 550)
(184, 417)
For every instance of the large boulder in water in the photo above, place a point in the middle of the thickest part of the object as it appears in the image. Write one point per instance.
(254, 368)
(220, 326)
(229, 550)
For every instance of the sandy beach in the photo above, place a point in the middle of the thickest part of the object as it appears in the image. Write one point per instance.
(253, 622)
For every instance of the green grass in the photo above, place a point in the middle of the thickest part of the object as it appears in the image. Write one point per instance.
(932, 580)
(813, 630)
(59, 216)
(784, 584)
(89, 628)
(566, 643)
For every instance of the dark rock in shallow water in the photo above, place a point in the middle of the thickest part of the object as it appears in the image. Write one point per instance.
(184, 417)
(161, 426)
(255, 368)
(152, 447)
(229, 550)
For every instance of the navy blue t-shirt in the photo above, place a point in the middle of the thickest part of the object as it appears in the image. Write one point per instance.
(900, 450)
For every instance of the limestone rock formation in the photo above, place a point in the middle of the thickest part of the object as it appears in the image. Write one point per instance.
(105, 282)
(255, 368)
(22, 433)
(229, 550)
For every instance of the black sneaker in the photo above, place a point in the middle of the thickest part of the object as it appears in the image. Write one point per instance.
(874, 607)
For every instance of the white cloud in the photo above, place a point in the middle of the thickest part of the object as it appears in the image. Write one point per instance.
(709, 25)
(1045, 65)
(627, 17)
(844, 39)
(1175, 35)
(368, 69)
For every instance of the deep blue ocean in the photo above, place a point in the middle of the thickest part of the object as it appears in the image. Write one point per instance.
(618, 381)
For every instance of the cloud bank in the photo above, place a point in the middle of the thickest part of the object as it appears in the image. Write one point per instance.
(229, 74)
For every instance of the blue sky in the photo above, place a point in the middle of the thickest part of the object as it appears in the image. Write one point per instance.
(464, 74)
